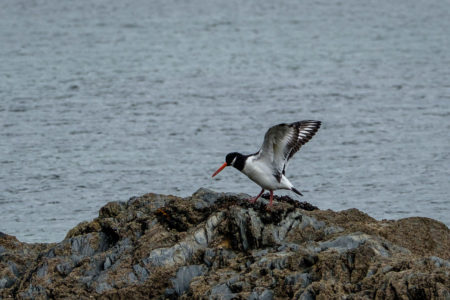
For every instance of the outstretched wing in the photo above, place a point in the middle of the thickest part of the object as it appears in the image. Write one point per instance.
(282, 141)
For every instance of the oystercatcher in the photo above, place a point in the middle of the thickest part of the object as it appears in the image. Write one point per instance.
(267, 167)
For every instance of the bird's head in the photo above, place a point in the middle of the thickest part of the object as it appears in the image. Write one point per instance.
(232, 159)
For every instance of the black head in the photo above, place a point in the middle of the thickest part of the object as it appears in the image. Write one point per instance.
(236, 160)
(231, 158)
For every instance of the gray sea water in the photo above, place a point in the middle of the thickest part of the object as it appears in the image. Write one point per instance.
(104, 100)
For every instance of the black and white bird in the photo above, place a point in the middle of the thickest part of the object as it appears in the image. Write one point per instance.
(267, 167)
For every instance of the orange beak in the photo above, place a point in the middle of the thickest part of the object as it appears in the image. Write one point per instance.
(220, 169)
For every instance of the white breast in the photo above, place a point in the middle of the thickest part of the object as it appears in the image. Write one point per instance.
(262, 174)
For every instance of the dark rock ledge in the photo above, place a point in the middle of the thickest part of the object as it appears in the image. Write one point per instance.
(218, 246)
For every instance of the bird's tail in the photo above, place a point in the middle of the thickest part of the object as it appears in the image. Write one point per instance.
(296, 191)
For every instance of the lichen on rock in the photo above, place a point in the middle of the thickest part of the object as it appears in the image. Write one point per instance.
(219, 246)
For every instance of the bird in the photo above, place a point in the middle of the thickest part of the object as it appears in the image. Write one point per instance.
(267, 167)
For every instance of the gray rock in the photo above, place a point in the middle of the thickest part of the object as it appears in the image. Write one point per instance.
(439, 262)
(332, 230)
(221, 291)
(34, 291)
(370, 272)
(184, 277)
(248, 263)
(75, 259)
(201, 237)
(208, 256)
(289, 247)
(86, 280)
(355, 240)
(81, 246)
(264, 295)
(255, 228)
(310, 221)
(107, 263)
(170, 293)
(102, 282)
(303, 278)
(50, 253)
(275, 261)
(260, 253)
(250, 232)
(13, 267)
(290, 221)
(161, 256)
(103, 287)
(241, 222)
(64, 268)
(205, 197)
(183, 251)
(222, 258)
(232, 250)
(113, 258)
(6, 282)
(141, 272)
(345, 243)
(387, 269)
(96, 265)
(123, 245)
(132, 278)
(42, 271)
(307, 295)
(233, 280)
(212, 223)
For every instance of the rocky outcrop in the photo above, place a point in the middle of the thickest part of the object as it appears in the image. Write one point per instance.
(218, 246)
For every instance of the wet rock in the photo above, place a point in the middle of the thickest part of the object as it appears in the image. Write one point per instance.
(42, 271)
(265, 295)
(6, 282)
(141, 272)
(344, 243)
(102, 287)
(218, 245)
(64, 268)
(277, 260)
(184, 276)
(303, 279)
(204, 198)
(81, 246)
(222, 291)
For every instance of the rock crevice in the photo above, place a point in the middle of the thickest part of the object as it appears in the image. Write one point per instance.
(218, 246)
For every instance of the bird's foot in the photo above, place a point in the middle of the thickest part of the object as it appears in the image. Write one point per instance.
(252, 200)
(269, 207)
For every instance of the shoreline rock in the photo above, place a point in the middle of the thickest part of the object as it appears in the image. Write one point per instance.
(218, 246)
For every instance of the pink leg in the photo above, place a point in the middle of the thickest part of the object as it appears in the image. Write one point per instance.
(253, 200)
(270, 205)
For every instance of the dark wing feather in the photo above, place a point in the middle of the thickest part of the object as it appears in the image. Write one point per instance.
(304, 131)
(282, 141)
